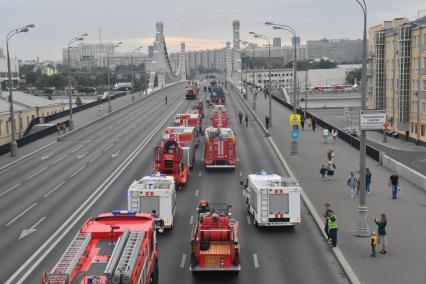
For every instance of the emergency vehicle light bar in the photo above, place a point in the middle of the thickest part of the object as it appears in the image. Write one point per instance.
(157, 174)
(124, 212)
(262, 172)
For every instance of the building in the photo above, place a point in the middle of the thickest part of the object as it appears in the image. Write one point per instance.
(295, 41)
(280, 78)
(397, 74)
(26, 107)
(84, 54)
(14, 66)
(337, 50)
(150, 51)
(276, 42)
(284, 53)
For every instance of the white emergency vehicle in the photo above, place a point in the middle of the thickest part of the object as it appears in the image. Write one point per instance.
(272, 200)
(155, 192)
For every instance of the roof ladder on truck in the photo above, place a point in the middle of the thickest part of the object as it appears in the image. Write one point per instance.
(128, 258)
(69, 259)
(264, 204)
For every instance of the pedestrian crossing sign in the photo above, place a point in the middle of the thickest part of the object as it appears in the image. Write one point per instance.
(294, 119)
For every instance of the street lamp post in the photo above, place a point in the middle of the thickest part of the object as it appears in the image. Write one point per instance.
(362, 228)
(256, 35)
(133, 72)
(109, 85)
(244, 43)
(79, 38)
(294, 144)
(13, 144)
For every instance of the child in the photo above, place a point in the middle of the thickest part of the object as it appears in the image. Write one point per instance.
(323, 171)
(373, 243)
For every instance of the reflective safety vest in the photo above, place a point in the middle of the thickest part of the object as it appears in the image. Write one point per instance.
(332, 222)
(373, 240)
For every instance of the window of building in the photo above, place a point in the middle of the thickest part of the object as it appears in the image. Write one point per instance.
(0, 126)
(7, 127)
(422, 129)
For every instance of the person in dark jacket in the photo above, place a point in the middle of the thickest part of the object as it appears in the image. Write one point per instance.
(246, 120)
(381, 224)
(314, 124)
(393, 183)
(368, 180)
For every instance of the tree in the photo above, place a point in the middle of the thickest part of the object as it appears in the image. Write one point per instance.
(78, 101)
(353, 76)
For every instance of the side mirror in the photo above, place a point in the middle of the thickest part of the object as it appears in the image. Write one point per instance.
(241, 183)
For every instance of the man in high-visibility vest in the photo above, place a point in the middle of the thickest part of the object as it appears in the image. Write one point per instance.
(332, 228)
(373, 243)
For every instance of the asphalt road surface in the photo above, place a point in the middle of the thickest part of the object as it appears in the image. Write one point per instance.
(284, 255)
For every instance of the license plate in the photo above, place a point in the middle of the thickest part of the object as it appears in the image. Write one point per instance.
(212, 261)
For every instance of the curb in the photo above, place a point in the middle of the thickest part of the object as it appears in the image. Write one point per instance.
(318, 221)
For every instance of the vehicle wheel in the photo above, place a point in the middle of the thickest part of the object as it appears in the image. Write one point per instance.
(256, 224)
(154, 274)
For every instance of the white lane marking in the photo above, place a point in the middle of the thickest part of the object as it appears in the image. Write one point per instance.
(248, 219)
(107, 148)
(60, 159)
(196, 192)
(199, 173)
(36, 173)
(255, 260)
(20, 215)
(31, 230)
(47, 156)
(115, 154)
(183, 260)
(82, 155)
(241, 174)
(191, 220)
(238, 159)
(77, 171)
(10, 189)
(76, 149)
(95, 157)
(54, 189)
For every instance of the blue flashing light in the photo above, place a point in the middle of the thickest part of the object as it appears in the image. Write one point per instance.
(124, 212)
(157, 174)
(263, 172)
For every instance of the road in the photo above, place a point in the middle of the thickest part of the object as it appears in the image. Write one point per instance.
(268, 255)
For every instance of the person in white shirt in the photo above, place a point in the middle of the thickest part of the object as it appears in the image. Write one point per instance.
(334, 135)
(325, 135)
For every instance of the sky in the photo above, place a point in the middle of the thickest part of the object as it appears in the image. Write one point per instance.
(200, 24)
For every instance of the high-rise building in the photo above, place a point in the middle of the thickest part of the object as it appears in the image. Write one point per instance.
(295, 41)
(337, 50)
(150, 51)
(397, 74)
(276, 42)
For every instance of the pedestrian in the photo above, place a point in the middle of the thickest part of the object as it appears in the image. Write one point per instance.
(393, 183)
(246, 120)
(330, 154)
(325, 135)
(314, 124)
(334, 135)
(330, 136)
(331, 167)
(302, 122)
(323, 171)
(373, 243)
(240, 116)
(99, 109)
(166, 99)
(332, 228)
(309, 122)
(267, 121)
(351, 182)
(381, 224)
(368, 180)
(264, 92)
(326, 216)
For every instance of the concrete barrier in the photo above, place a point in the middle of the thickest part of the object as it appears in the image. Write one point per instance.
(402, 170)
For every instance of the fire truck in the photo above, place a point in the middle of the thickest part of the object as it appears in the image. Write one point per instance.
(187, 137)
(154, 193)
(217, 96)
(214, 240)
(191, 92)
(272, 200)
(117, 247)
(220, 149)
(190, 120)
(169, 160)
(220, 117)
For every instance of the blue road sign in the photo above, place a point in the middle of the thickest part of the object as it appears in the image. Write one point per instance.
(294, 134)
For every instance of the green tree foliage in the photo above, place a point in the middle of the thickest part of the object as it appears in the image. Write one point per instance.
(353, 76)
(305, 65)
(78, 101)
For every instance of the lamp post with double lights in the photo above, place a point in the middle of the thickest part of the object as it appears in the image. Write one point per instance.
(12, 33)
(76, 39)
(133, 71)
(109, 85)
(257, 35)
(293, 33)
(244, 43)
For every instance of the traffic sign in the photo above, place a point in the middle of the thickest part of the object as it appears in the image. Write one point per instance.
(372, 119)
(294, 119)
(346, 111)
(294, 134)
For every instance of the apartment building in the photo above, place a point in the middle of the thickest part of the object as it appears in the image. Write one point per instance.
(337, 50)
(397, 74)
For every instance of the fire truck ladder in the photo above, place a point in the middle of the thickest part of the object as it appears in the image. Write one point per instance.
(69, 259)
(264, 204)
(128, 258)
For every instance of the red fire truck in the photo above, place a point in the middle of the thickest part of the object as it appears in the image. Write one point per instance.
(191, 92)
(220, 148)
(190, 120)
(169, 160)
(187, 137)
(117, 247)
(220, 117)
(214, 241)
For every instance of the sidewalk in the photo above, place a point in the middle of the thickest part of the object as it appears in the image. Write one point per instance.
(406, 257)
(80, 118)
